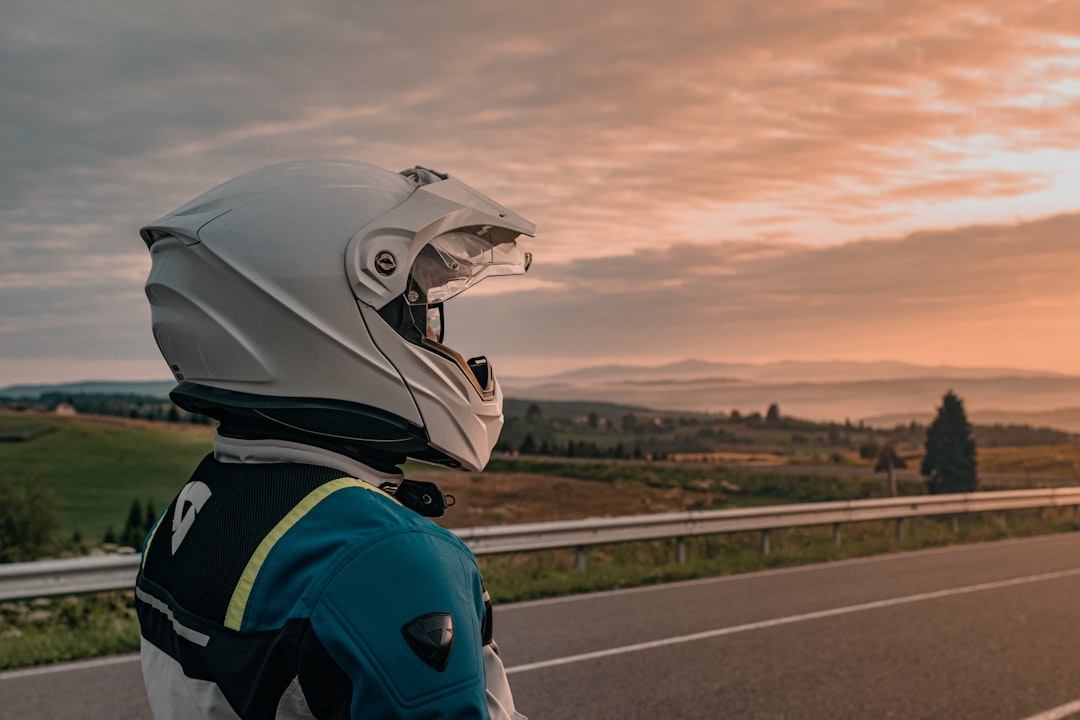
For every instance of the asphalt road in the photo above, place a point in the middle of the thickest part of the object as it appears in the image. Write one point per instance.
(985, 631)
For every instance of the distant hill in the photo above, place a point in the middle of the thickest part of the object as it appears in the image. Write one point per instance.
(686, 369)
(514, 407)
(821, 390)
(150, 388)
(881, 393)
(784, 371)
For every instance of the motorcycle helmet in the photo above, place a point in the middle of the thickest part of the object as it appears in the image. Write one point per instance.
(305, 302)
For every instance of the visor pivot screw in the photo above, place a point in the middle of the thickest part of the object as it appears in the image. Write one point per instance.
(385, 264)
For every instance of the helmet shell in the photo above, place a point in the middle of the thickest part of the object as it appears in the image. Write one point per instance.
(267, 287)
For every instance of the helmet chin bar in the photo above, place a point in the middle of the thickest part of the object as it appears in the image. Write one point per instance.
(476, 369)
(413, 323)
(372, 436)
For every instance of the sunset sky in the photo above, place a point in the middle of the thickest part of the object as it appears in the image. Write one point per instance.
(724, 180)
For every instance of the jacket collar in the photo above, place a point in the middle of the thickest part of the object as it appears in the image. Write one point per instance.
(234, 450)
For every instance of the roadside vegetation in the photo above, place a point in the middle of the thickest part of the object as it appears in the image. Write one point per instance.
(48, 630)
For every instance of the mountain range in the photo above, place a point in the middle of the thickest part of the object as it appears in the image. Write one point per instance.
(150, 388)
(882, 393)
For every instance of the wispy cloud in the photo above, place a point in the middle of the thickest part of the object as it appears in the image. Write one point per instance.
(623, 128)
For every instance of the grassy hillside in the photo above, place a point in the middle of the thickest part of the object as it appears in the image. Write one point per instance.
(1034, 461)
(96, 468)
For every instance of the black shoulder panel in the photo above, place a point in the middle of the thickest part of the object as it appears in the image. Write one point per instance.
(245, 502)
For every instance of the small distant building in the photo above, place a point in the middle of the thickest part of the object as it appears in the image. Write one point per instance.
(66, 409)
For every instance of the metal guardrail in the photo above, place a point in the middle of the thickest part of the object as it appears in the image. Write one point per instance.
(73, 576)
(48, 578)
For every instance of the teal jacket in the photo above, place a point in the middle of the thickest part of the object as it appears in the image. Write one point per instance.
(287, 590)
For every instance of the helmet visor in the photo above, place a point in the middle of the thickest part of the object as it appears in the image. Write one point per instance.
(455, 261)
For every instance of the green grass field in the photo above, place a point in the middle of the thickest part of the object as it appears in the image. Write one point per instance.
(95, 469)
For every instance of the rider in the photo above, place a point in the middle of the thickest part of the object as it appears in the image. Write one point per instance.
(296, 575)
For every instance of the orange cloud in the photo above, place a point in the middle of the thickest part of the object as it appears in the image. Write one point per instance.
(983, 295)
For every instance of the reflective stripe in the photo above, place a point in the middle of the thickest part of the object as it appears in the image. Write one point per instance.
(189, 634)
(234, 617)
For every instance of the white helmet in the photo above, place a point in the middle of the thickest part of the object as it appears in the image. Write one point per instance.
(307, 297)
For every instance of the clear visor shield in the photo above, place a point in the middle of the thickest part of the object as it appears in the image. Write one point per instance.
(453, 262)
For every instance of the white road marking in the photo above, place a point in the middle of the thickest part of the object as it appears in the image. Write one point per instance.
(790, 619)
(1058, 713)
(64, 667)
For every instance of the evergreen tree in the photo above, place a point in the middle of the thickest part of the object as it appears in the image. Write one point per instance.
(949, 464)
(528, 445)
(27, 519)
(772, 416)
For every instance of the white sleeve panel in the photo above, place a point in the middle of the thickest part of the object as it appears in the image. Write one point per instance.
(174, 696)
(500, 701)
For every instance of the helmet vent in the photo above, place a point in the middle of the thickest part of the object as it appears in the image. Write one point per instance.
(385, 263)
(424, 176)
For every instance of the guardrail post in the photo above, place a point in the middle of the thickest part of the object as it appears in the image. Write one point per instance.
(764, 542)
(954, 520)
(836, 535)
(579, 558)
(1001, 519)
(899, 528)
(680, 551)
(1042, 514)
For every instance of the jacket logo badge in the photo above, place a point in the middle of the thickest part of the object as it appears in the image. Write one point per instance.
(188, 504)
(431, 637)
